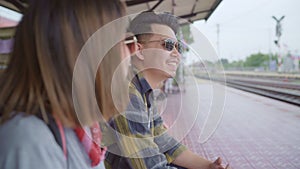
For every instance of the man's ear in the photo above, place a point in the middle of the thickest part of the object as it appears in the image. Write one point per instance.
(139, 50)
(132, 48)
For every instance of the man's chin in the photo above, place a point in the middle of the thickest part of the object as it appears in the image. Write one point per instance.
(170, 75)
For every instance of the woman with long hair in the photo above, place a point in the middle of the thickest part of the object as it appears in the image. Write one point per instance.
(47, 115)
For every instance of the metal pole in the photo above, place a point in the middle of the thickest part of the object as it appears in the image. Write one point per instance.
(277, 42)
(218, 39)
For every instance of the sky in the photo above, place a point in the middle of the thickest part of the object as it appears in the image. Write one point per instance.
(247, 27)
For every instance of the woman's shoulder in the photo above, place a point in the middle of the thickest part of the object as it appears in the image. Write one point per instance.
(28, 139)
(26, 128)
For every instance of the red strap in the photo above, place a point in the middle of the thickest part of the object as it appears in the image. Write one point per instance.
(92, 146)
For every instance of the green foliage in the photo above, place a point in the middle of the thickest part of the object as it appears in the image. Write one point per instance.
(256, 60)
(224, 61)
(274, 57)
(235, 64)
(186, 32)
(239, 63)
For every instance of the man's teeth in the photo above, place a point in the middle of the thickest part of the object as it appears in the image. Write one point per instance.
(172, 63)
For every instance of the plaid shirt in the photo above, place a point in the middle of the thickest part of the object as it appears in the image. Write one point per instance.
(141, 136)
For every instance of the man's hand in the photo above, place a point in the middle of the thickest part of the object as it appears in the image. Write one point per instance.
(218, 164)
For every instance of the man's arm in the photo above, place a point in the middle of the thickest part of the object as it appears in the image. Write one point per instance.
(136, 143)
(177, 153)
(190, 160)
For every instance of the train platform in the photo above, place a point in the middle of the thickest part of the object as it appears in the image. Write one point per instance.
(254, 132)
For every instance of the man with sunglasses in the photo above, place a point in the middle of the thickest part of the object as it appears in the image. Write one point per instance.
(143, 140)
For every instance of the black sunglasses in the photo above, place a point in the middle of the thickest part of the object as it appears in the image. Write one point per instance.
(169, 44)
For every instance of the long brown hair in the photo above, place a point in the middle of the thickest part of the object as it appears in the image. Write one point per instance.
(47, 42)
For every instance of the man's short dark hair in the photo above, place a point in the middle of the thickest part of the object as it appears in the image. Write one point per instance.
(141, 24)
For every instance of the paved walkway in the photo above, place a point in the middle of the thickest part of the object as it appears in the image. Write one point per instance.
(254, 133)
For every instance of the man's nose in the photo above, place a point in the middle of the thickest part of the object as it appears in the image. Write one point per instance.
(175, 53)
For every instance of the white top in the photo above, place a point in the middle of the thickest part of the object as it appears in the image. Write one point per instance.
(28, 143)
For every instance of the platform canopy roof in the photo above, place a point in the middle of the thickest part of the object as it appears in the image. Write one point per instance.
(188, 10)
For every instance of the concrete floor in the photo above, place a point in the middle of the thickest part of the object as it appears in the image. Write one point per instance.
(252, 131)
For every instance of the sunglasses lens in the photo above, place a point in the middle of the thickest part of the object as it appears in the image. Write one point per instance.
(180, 47)
(170, 44)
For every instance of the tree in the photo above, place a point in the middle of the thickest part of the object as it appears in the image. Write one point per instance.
(186, 32)
(237, 64)
(256, 60)
(225, 63)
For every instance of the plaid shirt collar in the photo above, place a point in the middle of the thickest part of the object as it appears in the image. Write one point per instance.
(140, 82)
(142, 85)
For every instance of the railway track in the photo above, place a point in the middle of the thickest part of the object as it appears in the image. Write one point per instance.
(279, 89)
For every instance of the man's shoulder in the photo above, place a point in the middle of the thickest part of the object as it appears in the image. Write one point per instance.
(137, 101)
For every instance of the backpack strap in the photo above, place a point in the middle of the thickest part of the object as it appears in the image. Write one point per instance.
(57, 130)
(63, 144)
